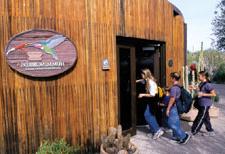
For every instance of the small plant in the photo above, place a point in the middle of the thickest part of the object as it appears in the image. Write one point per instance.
(216, 98)
(116, 143)
(57, 147)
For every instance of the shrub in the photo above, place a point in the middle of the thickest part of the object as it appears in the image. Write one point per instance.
(57, 147)
(219, 76)
(216, 98)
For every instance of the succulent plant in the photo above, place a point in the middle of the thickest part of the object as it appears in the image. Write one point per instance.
(116, 143)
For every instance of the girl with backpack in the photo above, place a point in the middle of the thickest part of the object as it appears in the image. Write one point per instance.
(151, 107)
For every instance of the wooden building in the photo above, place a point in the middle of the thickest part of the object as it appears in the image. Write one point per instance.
(81, 104)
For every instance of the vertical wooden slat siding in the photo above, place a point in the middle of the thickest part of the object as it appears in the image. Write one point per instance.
(81, 104)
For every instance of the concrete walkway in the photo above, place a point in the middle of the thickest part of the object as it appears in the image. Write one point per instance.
(197, 144)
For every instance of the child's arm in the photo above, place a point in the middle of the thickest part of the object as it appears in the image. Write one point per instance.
(193, 87)
(162, 105)
(140, 80)
(211, 94)
(171, 102)
(145, 95)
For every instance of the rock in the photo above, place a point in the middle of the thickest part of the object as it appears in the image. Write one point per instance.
(126, 141)
(119, 143)
(112, 132)
(132, 149)
(119, 132)
(111, 150)
(115, 142)
(122, 152)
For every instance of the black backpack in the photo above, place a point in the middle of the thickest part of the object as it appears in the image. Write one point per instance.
(185, 102)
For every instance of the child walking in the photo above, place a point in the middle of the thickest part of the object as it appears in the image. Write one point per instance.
(206, 92)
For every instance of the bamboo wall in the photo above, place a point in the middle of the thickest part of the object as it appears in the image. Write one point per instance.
(80, 105)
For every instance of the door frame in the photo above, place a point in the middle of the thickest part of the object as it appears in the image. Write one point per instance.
(132, 130)
(162, 54)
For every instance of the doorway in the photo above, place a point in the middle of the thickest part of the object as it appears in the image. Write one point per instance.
(127, 88)
(132, 56)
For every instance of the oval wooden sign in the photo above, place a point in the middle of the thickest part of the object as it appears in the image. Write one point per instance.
(41, 53)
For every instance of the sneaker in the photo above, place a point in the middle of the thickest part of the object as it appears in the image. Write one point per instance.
(209, 134)
(196, 134)
(185, 140)
(149, 135)
(167, 130)
(158, 134)
(175, 139)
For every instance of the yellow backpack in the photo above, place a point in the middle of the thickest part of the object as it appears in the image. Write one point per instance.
(160, 92)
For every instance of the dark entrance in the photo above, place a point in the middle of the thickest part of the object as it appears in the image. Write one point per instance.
(134, 55)
(127, 88)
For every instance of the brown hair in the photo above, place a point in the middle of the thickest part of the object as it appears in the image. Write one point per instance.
(175, 75)
(205, 74)
(166, 89)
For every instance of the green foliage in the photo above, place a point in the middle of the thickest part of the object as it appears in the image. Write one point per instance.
(219, 76)
(216, 98)
(57, 147)
(212, 59)
(219, 25)
(192, 57)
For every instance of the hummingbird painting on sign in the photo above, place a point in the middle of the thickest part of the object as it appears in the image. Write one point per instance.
(47, 46)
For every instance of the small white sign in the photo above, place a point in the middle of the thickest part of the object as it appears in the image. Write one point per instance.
(105, 64)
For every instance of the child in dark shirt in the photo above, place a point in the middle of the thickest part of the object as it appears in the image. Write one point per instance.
(206, 92)
(163, 105)
(166, 122)
(166, 97)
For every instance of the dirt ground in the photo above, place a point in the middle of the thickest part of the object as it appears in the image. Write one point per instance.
(197, 145)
